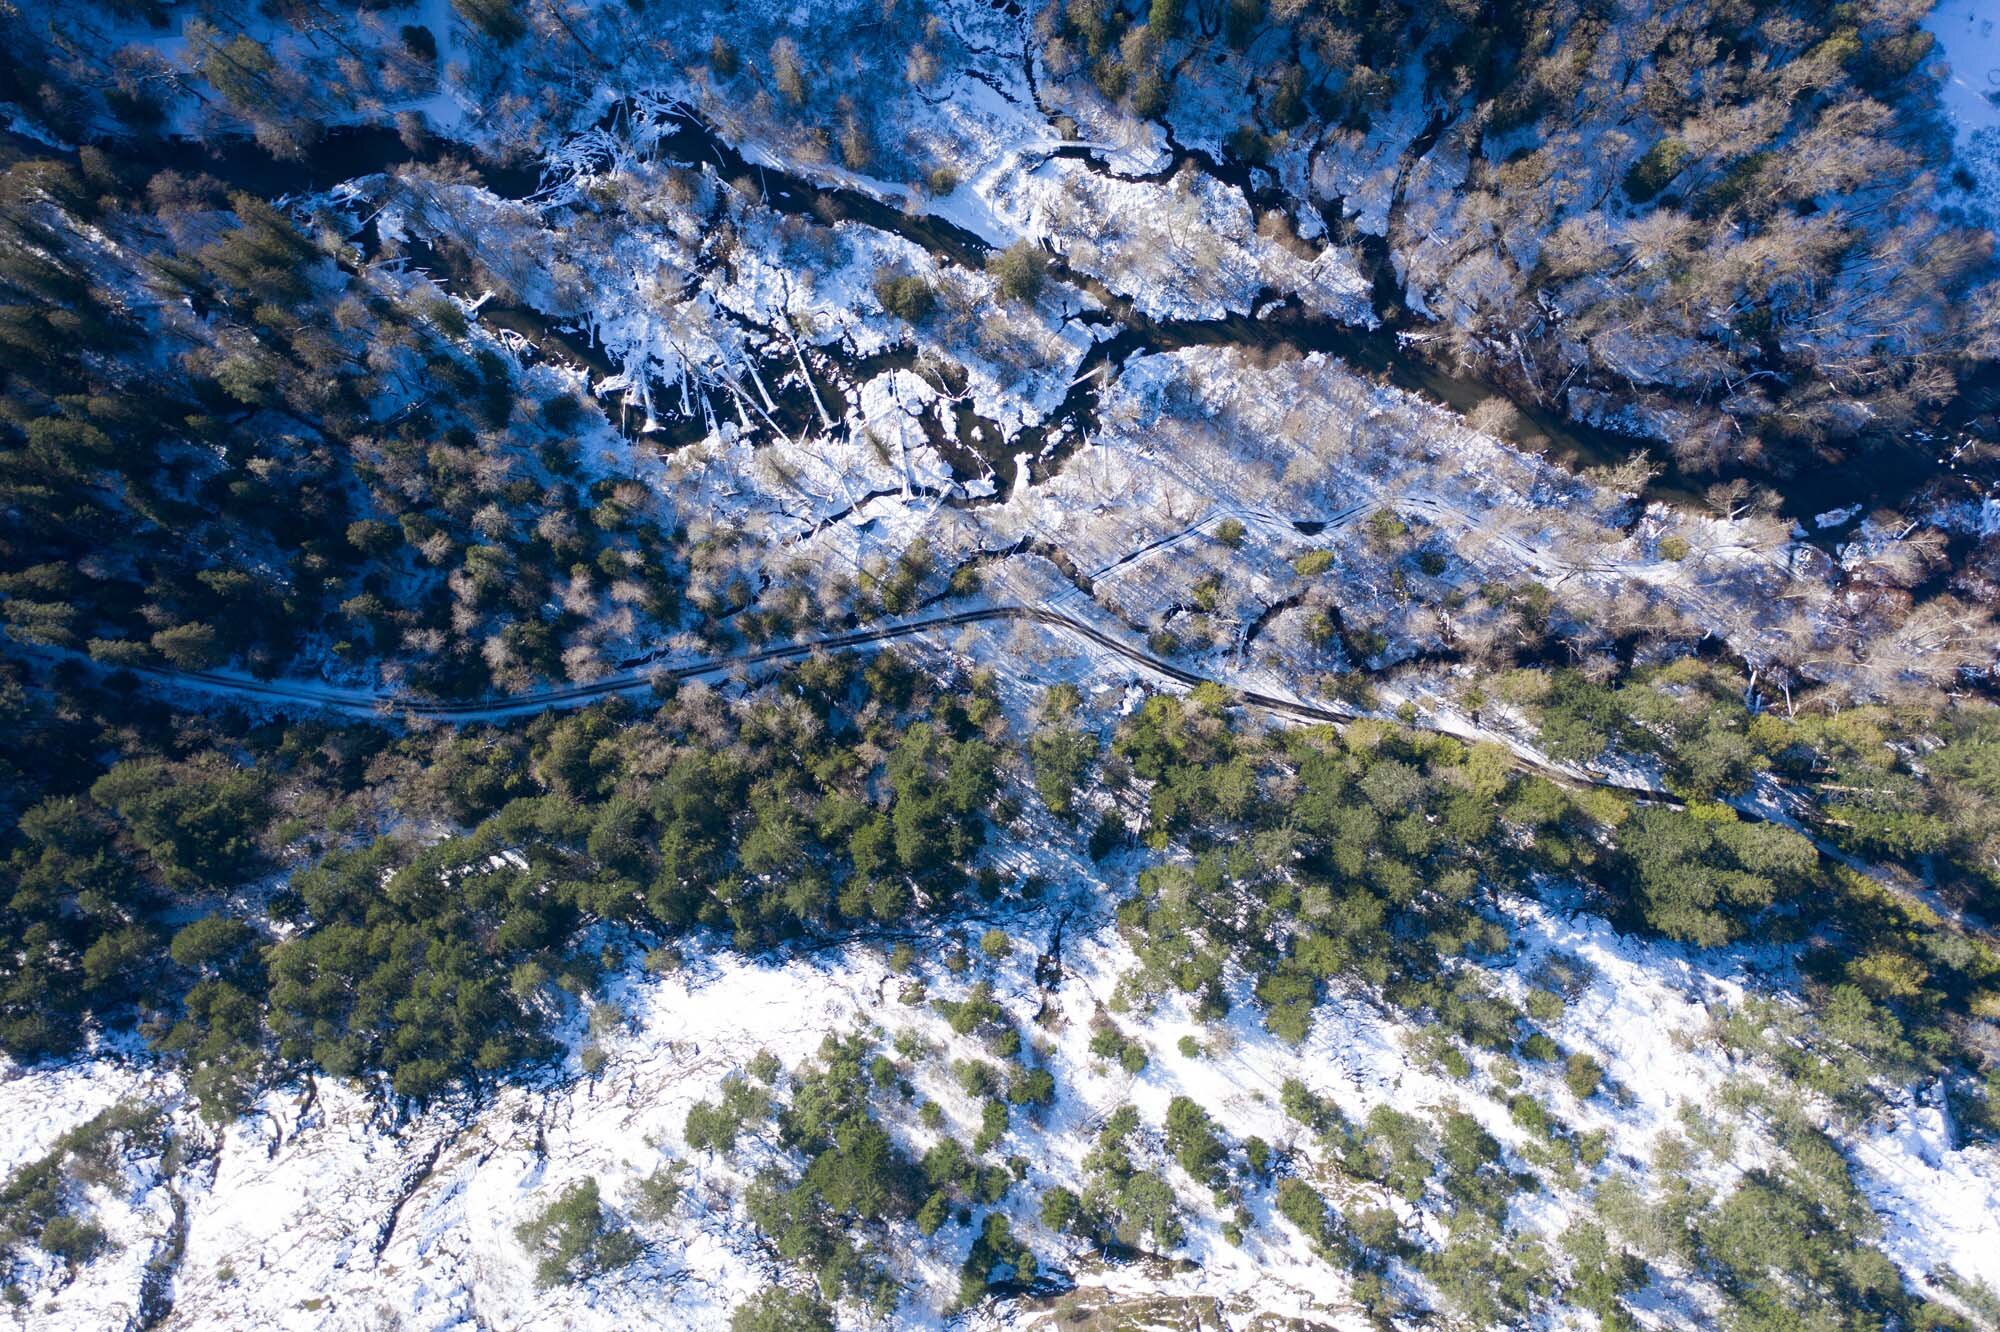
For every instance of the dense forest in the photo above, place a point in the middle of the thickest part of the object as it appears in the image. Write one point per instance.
(253, 428)
(248, 896)
(289, 449)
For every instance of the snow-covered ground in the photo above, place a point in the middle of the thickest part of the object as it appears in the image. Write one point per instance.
(320, 1210)
(326, 1208)
(1968, 35)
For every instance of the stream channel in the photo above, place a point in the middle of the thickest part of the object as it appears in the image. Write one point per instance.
(1872, 476)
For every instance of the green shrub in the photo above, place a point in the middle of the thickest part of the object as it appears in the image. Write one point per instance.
(573, 1238)
(1192, 1139)
(906, 296)
(1060, 1208)
(1019, 270)
(74, 1239)
(776, 1309)
(1257, 1153)
(976, 1077)
(1385, 528)
(714, 1127)
(1654, 171)
(1540, 1048)
(1301, 1204)
(992, 1124)
(1528, 1113)
(1582, 1074)
(996, 1256)
(657, 1194)
(1031, 1086)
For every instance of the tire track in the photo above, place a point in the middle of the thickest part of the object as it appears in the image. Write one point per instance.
(643, 679)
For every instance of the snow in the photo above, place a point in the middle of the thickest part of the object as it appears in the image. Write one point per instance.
(1937, 1200)
(978, 125)
(39, 1105)
(1360, 169)
(1187, 248)
(321, 1209)
(1968, 33)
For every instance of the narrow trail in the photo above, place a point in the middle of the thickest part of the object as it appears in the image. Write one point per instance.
(641, 674)
(1756, 807)
(642, 678)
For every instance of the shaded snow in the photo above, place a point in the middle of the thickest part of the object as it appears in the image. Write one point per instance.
(320, 1210)
(1968, 33)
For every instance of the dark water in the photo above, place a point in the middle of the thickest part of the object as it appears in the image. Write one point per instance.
(341, 154)
(1873, 473)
